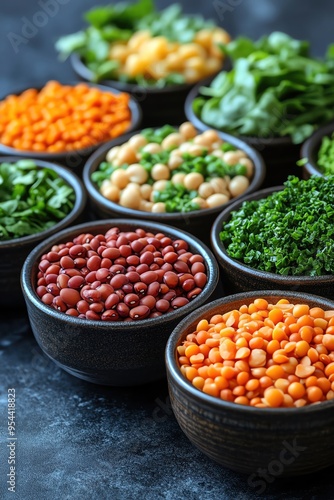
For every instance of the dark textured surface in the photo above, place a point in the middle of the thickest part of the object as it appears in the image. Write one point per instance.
(80, 441)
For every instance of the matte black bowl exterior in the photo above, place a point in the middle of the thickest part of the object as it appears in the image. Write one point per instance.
(197, 222)
(159, 105)
(279, 153)
(310, 150)
(238, 277)
(109, 353)
(278, 441)
(14, 252)
(73, 159)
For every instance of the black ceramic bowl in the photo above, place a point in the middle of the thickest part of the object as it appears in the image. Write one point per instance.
(196, 222)
(239, 277)
(310, 150)
(279, 153)
(72, 159)
(14, 252)
(109, 353)
(277, 441)
(159, 105)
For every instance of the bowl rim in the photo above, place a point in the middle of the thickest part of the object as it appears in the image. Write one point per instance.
(30, 266)
(222, 256)
(136, 118)
(252, 140)
(138, 90)
(311, 146)
(177, 336)
(99, 155)
(72, 180)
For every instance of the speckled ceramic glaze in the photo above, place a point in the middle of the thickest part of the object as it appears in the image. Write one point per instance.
(310, 150)
(14, 252)
(110, 353)
(73, 159)
(279, 153)
(278, 441)
(197, 222)
(239, 277)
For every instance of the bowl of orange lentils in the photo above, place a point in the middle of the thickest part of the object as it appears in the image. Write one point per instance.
(251, 382)
(64, 122)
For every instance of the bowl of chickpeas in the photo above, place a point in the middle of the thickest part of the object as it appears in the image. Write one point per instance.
(250, 379)
(174, 175)
(102, 297)
(64, 122)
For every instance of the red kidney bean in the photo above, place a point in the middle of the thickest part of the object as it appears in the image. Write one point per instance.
(197, 267)
(43, 265)
(160, 272)
(111, 253)
(66, 262)
(171, 257)
(162, 305)
(139, 312)
(111, 301)
(97, 307)
(79, 262)
(95, 243)
(106, 263)
(142, 268)
(84, 271)
(63, 251)
(149, 248)
(52, 288)
(194, 293)
(169, 296)
(153, 288)
(133, 260)
(200, 279)
(137, 246)
(140, 288)
(154, 241)
(167, 249)
(94, 262)
(75, 282)
(59, 304)
(133, 276)
(155, 314)
(196, 258)
(127, 288)
(82, 306)
(146, 258)
(77, 251)
(103, 275)
(52, 256)
(92, 315)
(164, 288)
(119, 280)
(105, 290)
(131, 236)
(180, 245)
(53, 269)
(171, 279)
(92, 253)
(179, 302)
(62, 280)
(72, 272)
(159, 260)
(131, 300)
(121, 261)
(91, 295)
(148, 301)
(154, 267)
(148, 277)
(125, 250)
(95, 284)
(167, 267)
(117, 269)
(110, 315)
(121, 294)
(48, 298)
(41, 290)
(188, 285)
(121, 240)
(72, 312)
(166, 241)
(90, 277)
(70, 296)
(181, 267)
(41, 282)
(51, 278)
(123, 310)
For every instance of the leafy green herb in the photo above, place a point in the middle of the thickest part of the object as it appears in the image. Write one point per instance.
(325, 159)
(291, 232)
(32, 199)
(275, 88)
(176, 198)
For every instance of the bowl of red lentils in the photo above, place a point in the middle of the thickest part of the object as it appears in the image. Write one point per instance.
(251, 382)
(64, 123)
(103, 297)
(37, 199)
(172, 174)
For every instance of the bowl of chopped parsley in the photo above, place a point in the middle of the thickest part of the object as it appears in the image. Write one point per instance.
(37, 199)
(317, 152)
(279, 238)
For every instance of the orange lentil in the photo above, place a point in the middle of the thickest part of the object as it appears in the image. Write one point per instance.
(314, 394)
(274, 397)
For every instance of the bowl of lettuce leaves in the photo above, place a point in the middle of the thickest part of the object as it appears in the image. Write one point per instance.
(274, 97)
(317, 152)
(157, 56)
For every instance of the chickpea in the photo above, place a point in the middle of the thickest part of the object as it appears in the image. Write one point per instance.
(196, 62)
(126, 154)
(233, 157)
(205, 190)
(196, 150)
(110, 191)
(160, 185)
(174, 62)
(238, 185)
(212, 136)
(130, 197)
(173, 139)
(119, 178)
(188, 50)
(119, 51)
(174, 161)
(137, 173)
(218, 153)
(219, 184)
(201, 140)
(185, 146)
(188, 130)
(249, 166)
(178, 178)
(193, 180)
(145, 205)
(152, 147)
(112, 154)
(160, 171)
(137, 141)
(217, 199)
(145, 190)
(159, 207)
(138, 38)
(200, 202)
(204, 38)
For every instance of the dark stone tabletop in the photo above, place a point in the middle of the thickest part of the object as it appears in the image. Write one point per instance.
(79, 441)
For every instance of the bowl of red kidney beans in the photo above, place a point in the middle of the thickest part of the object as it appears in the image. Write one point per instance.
(103, 297)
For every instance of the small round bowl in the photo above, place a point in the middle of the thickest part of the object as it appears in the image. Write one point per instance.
(239, 277)
(196, 222)
(14, 252)
(261, 442)
(310, 148)
(72, 159)
(118, 353)
(279, 153)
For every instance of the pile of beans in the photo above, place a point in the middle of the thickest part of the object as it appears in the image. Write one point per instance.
(263, 355)
(62, 118)
(120, 276)
(143, 170)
